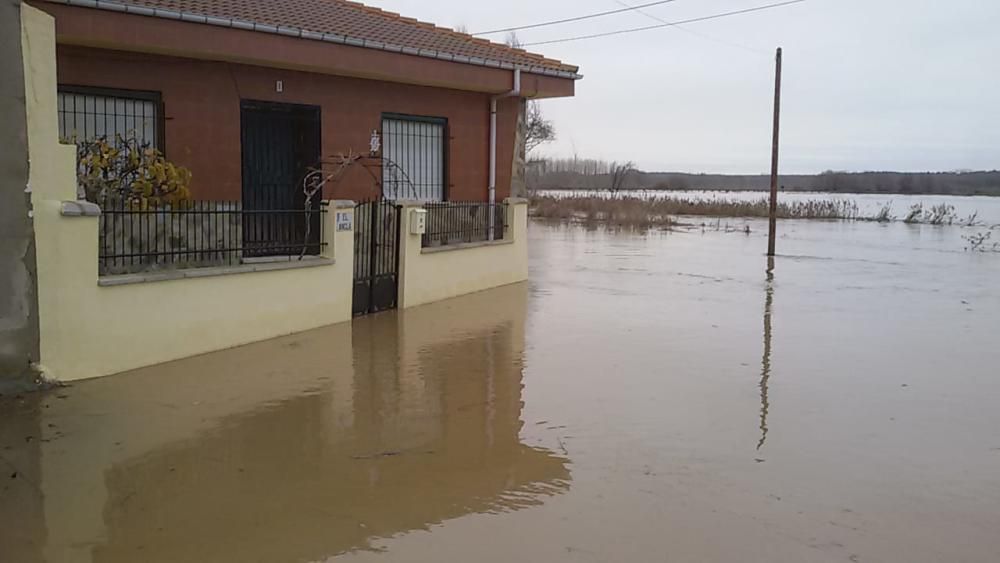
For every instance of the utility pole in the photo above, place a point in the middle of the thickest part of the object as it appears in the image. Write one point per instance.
(772, 214)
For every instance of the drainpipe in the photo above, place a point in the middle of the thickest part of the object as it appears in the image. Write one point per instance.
(493, 146)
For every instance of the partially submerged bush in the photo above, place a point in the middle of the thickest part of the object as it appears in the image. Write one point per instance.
(884, 214)
(645, 212)
(983, 241)
(941, 214)
(626, 211)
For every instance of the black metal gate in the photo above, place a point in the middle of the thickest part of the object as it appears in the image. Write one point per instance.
(376, 256)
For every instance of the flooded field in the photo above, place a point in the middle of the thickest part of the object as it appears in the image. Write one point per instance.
(646, 397)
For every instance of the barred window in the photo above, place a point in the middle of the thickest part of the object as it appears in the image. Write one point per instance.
(91, 113)
(413, 152)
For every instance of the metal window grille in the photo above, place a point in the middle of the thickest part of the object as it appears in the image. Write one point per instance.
(201, 234)
(92, 113)
(414, 157)
(452, 222)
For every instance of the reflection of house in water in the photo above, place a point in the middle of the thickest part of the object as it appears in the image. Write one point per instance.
(299, 448)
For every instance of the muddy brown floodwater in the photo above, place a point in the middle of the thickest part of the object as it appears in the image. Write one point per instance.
(653, 397)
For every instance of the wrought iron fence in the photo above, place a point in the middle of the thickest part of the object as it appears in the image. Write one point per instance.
(200, 234)
(452, 222)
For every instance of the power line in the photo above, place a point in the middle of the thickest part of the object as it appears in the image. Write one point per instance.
(574, 19)
(667, 24)
(696, 33)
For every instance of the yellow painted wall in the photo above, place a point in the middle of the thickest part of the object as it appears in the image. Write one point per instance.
(428, 275)
(88, 330)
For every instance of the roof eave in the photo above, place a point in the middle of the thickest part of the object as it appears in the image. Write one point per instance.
(313, 36)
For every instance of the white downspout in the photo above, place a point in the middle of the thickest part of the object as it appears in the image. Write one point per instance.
(493, 146)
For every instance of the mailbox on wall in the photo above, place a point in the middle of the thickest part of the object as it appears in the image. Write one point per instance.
(418, 221)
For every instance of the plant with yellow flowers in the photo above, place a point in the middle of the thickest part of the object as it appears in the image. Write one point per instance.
(129, 172)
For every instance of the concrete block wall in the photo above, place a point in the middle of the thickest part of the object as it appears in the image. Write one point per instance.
(433, 274)
(93, 326)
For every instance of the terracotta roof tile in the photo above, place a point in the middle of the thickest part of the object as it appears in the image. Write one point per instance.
(352, 20)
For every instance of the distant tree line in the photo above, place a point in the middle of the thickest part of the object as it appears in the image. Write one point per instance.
(582, 166)
(577, 173)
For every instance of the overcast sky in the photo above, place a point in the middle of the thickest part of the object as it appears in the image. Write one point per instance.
(868, 84)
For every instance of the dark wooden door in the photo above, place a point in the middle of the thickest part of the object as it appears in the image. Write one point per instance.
(280, 142)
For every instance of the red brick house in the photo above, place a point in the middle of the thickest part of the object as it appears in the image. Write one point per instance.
(246, 93)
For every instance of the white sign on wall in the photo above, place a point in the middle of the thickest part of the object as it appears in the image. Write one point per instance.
(345, 221)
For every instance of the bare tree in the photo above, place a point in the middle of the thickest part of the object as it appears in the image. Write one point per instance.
(538, 130)
(621, 172)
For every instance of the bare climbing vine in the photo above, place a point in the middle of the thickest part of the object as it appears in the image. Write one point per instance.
(332, 170)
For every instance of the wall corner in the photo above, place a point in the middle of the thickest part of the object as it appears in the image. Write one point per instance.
(19, 332)
(518, 185)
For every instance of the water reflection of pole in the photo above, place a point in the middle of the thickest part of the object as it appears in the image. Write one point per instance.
(765, 362)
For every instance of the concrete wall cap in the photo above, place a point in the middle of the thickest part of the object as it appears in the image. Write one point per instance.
(343, 204)
(80, 209)
(464, 246)
(410, 203)
(211, 272)
(517, 200)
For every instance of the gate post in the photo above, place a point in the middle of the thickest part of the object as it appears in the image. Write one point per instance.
(338, 231)
(409, 248)
(338, 234)
(517, 231)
